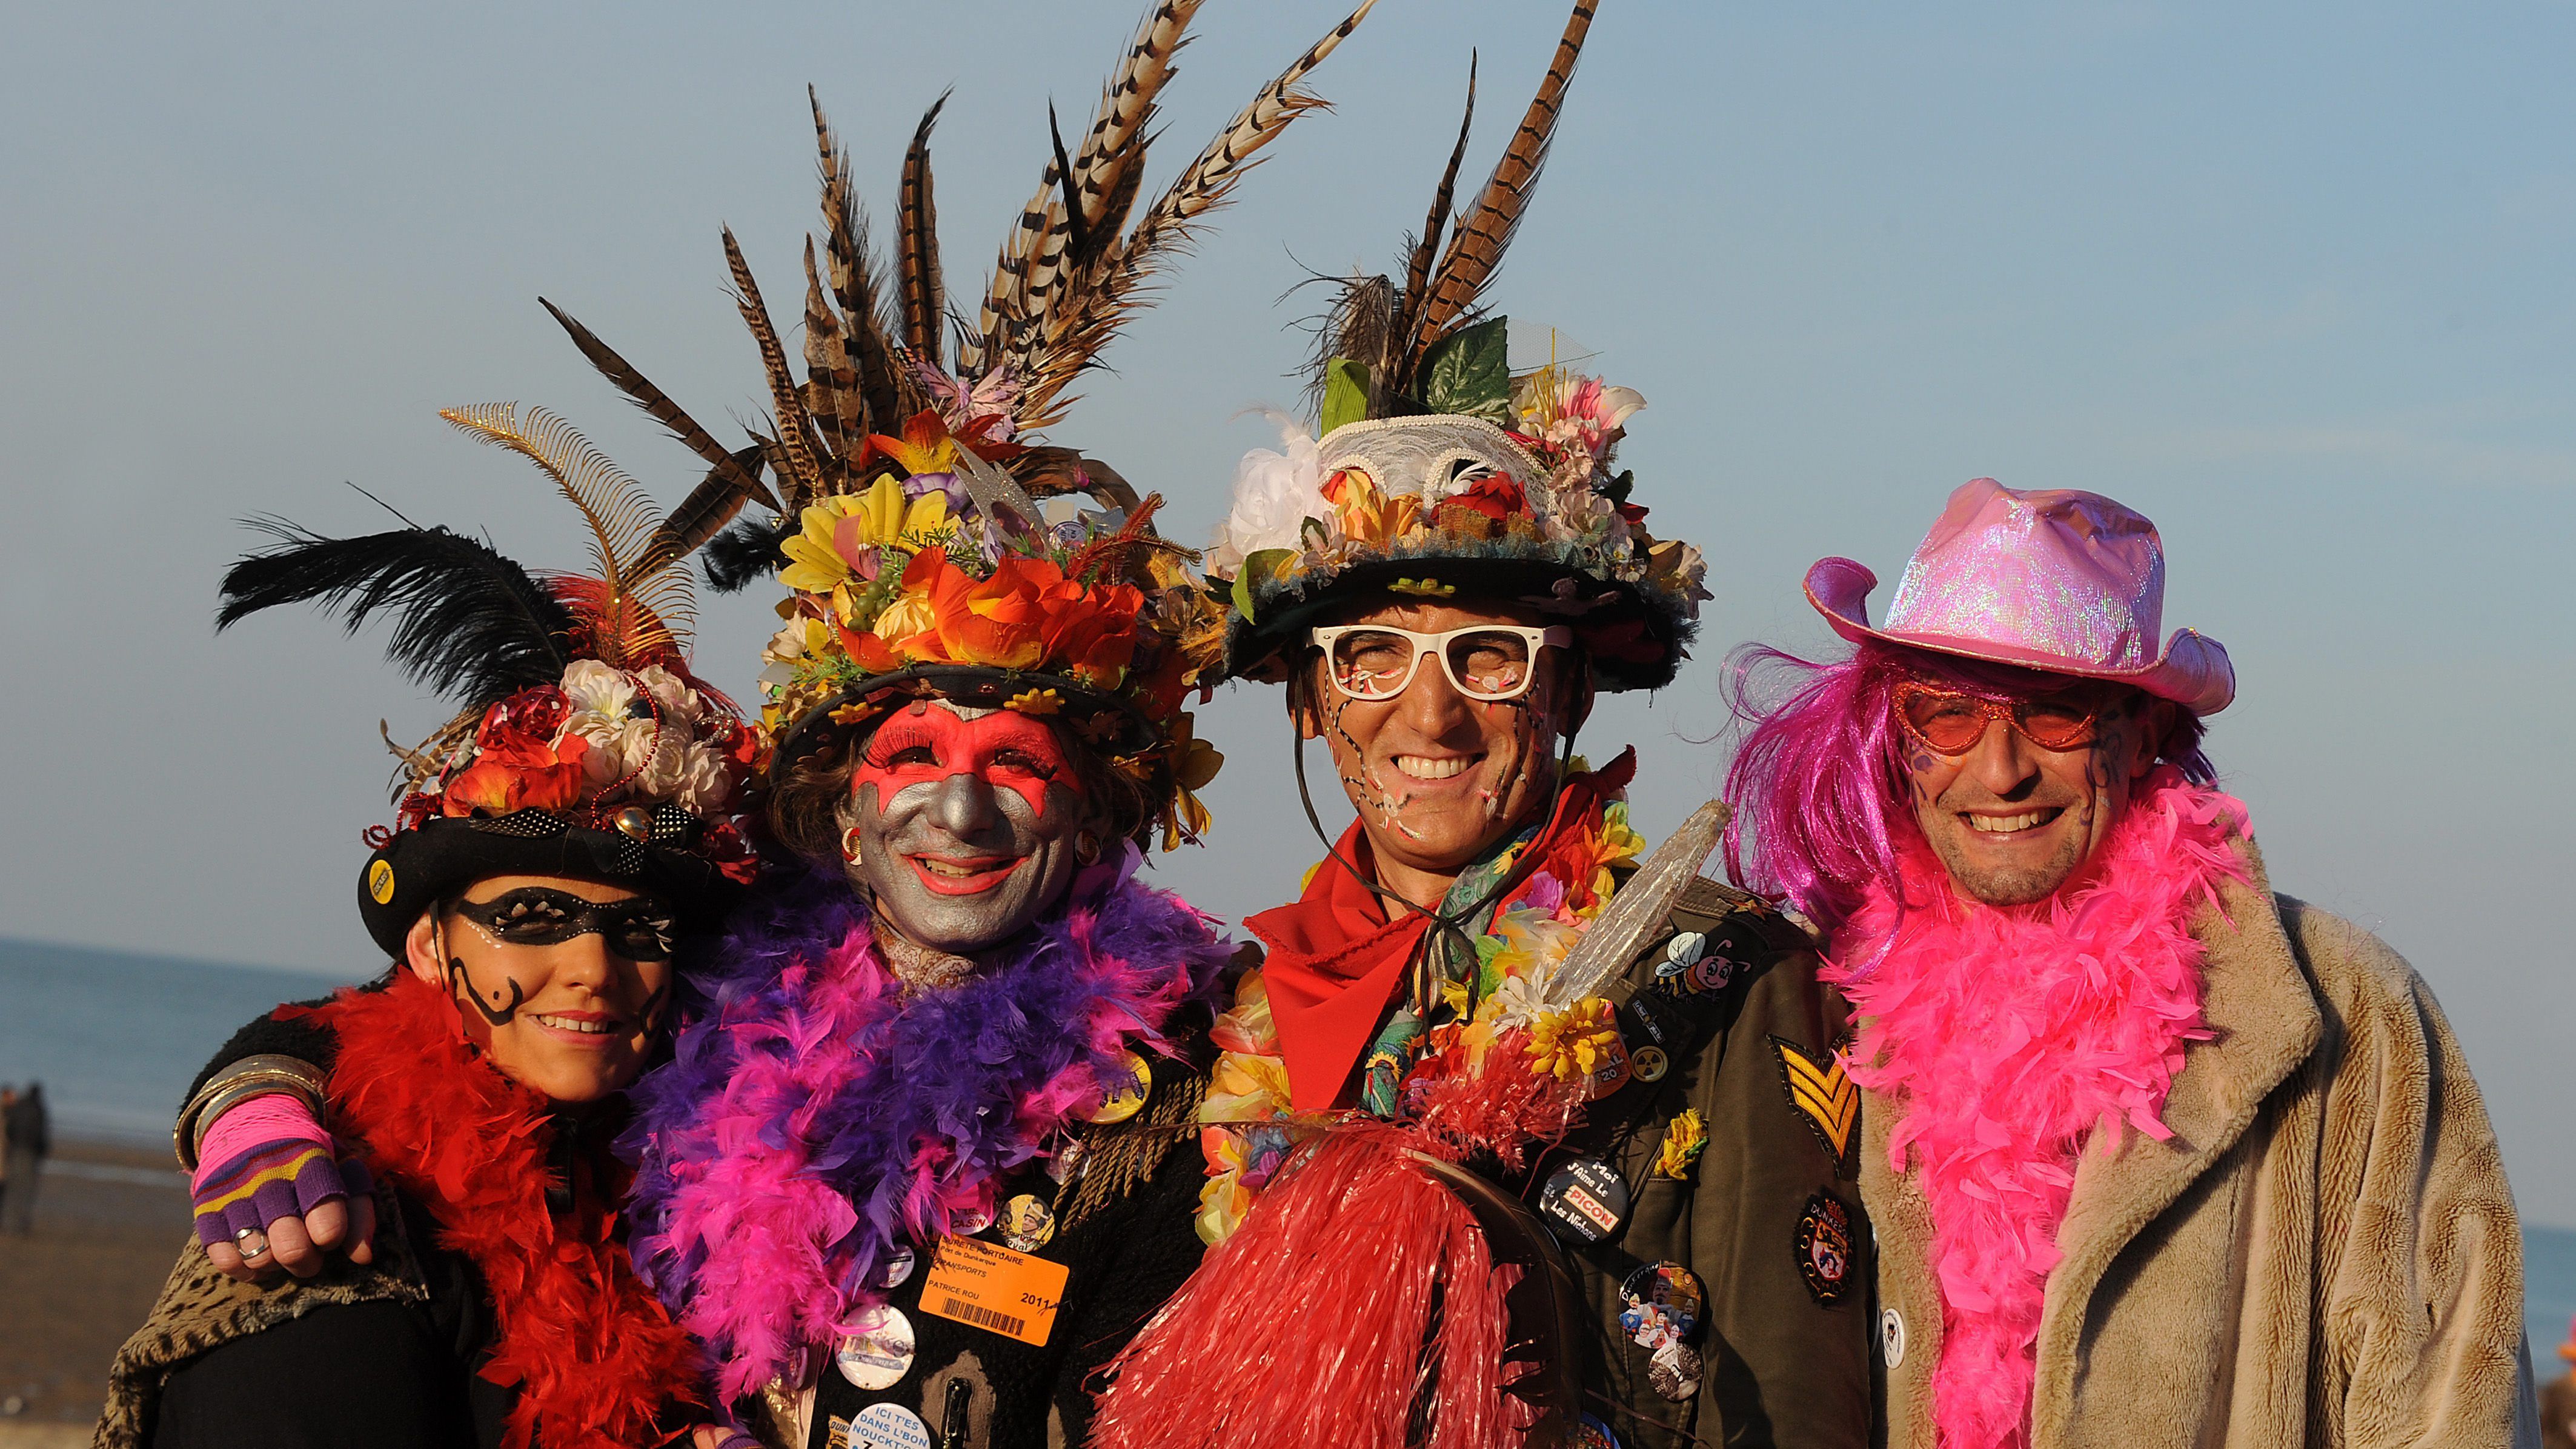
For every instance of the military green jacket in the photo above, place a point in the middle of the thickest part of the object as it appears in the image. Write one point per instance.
(1768, 1217)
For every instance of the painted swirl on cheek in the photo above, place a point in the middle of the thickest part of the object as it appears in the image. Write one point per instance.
(925, 745)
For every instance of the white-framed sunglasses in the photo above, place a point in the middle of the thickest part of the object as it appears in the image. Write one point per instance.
(1486, 662)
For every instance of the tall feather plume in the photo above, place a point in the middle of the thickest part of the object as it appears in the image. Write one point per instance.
(656, 403)
(470, 624)
(853, 273)
(1361, 326)
(831, 392)
(925, 303)
(1387, 372)
(1476, 248)
(802, 478)
(656, 612)
(1086, 318)
(1102, 180)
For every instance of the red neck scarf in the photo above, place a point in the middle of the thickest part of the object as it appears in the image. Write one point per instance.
(597, 1360)
(1335, 960)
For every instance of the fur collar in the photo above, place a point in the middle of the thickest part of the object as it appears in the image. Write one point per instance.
(2006, 1038)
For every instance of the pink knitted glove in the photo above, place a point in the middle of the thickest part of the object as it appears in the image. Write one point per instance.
(264, 1160)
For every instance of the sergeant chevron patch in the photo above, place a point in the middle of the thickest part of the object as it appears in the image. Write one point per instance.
(1821, 1092)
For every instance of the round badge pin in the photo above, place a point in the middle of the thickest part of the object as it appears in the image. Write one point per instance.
(880, 1353)
(1649, 1063)
(1027, 1223)
(1891, 1338)
(888, 1426)
(1585, 1197)
(970, 1222)
(1613, 1072)
(1591, 1434)
(1674, 1372)
(896, 1268)
(1670, 1287)
(1123, 1096)
(380, 882)
(1066, 1164)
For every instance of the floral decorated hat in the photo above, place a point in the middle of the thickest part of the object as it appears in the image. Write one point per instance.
(932, 544)
(1440, 473)
(585, 747)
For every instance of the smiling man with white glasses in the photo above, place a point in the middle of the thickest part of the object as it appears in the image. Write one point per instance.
(1504, 1099)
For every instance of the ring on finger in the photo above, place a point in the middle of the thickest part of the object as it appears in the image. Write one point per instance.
(242, 1244)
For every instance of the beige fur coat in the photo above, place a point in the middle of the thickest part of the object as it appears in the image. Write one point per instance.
(2324, 1254)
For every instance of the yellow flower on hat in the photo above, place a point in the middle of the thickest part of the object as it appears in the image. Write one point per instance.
(1194, 763)
(844, 526)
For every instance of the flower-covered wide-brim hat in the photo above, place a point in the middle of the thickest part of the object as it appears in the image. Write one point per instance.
(1439, 473)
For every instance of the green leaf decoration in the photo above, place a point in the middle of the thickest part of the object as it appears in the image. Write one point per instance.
(1261, 565)
(1469, 372)
(1346, 393)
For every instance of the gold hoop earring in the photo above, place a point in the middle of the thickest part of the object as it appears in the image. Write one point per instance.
(850, 845)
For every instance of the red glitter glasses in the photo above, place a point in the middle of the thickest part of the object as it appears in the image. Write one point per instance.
(1949, 722)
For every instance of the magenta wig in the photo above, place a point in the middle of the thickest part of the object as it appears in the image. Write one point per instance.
(1818, 783)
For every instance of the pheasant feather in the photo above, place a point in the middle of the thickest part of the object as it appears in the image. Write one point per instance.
(1386, 371)
(803, 476)
(655, 403)
(852, 270)
(1476, 249)
(925, 306)
(1077, 330)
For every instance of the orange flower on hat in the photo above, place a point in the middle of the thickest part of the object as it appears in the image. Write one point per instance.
(1367, 515)
(518, 766)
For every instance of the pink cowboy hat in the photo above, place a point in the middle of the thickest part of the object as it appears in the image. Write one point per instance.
(2068, 582)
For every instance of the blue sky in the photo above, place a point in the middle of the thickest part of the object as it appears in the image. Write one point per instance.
(2292, 280)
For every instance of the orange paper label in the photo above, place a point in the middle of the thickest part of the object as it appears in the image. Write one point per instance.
(991, 1287)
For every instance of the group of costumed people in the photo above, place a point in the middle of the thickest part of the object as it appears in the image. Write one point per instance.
(825, 1074)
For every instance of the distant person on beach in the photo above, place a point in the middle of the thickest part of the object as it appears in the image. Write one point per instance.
(2155, 1155)
(30, 1139)
(552, 843)
(2558, 1400)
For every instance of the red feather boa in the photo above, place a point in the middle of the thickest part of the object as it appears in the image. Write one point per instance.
(597, 1360)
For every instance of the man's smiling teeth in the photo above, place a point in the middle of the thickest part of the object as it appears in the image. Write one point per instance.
(2006, 824)
(953, 871)
(1423, 767)
(567, 1023)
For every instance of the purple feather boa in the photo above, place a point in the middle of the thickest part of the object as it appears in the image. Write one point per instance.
(814, 1117)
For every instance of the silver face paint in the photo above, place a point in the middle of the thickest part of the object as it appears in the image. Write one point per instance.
(1000, 862)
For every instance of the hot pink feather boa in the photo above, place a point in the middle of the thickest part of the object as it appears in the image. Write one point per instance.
(2008, 1035)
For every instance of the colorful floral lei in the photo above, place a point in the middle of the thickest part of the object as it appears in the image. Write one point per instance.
(1249, 1128)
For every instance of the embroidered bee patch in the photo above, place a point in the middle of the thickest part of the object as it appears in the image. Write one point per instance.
(1825, 1249)
(1824, 1094)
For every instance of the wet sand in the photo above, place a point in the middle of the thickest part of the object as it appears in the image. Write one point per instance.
(110, 1220)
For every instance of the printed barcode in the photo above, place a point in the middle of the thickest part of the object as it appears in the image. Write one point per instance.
(981, 1316)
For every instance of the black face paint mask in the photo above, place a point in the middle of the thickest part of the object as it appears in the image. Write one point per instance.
(636, 930)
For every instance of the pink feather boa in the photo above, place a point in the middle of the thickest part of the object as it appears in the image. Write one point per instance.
(2008, 1035)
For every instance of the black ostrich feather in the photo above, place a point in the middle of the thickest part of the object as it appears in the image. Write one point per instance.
(470, 623)
(745, 553)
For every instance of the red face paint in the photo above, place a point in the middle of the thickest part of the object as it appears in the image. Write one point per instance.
(926, 744)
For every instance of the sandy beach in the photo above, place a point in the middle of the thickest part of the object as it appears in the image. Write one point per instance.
(110, 1220)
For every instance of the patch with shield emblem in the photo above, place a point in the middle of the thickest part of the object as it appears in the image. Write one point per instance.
(1825, 1249)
